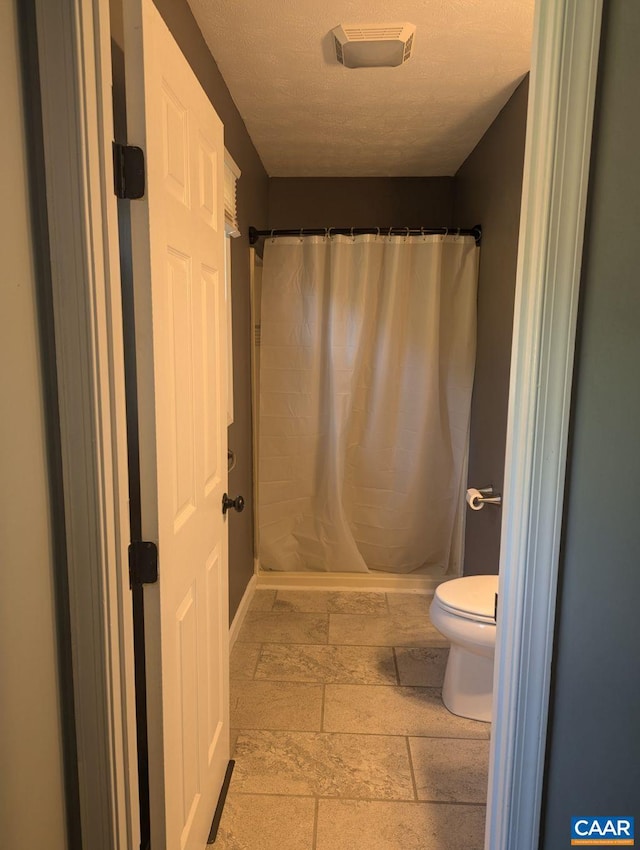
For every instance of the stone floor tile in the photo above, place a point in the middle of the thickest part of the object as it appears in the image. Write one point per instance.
(293, 646)
(386, 630)
(276, 705)
(262, 600)
(300, 763)
(243, 660)
(373, 665)
(358, 825)
(263, 822)
(450, 770)
(409, 604)
(233, 737)
(277, 627)
(421, 666)
(325, 601)
(388, 710)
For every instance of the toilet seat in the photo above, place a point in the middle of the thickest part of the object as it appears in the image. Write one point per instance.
(469, 597)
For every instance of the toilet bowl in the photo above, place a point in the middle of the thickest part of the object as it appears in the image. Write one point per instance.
(463, 610)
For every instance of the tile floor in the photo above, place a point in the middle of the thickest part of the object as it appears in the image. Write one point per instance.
(339, 734)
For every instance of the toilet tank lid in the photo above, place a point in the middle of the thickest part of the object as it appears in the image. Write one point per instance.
(470, 595)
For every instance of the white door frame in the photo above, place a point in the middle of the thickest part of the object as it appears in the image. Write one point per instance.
(75, 70)
(556, 175)
(74, 54)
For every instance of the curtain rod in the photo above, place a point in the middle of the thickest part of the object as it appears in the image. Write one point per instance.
(475, 231)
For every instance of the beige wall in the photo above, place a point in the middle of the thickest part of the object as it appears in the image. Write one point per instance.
(31, 778)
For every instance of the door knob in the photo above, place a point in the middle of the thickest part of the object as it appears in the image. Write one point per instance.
(237, 504)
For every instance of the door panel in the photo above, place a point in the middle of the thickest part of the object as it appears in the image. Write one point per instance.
(212, 412)
(178, 265)
(216, 692)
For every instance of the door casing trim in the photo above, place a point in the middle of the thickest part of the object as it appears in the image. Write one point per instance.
(74, 55)
(556, 176)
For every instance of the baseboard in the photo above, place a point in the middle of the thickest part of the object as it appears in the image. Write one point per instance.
(346, 581)
(241, 613)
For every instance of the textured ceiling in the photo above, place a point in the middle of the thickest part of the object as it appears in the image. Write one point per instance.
(308, 116)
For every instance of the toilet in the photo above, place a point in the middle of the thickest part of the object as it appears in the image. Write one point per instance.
(463, 610)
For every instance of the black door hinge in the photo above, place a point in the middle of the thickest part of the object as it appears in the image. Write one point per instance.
(128, 171)
(143, 563)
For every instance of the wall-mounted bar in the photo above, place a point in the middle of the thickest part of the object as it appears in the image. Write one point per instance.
(475, 231)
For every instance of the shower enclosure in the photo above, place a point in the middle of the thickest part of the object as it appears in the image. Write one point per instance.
(366, 351)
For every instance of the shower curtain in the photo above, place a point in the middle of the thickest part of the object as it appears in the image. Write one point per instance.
(367, 361)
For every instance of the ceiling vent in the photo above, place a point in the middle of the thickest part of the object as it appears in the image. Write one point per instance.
(373, 45)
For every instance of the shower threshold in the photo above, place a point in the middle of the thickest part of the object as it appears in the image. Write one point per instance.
(374, 581)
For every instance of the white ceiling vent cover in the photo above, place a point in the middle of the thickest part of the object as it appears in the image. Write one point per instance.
(373, 45)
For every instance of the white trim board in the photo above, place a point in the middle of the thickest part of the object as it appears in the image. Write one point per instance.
(241, 613)
(556, 173)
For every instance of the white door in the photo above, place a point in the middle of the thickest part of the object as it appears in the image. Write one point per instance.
(178, 271)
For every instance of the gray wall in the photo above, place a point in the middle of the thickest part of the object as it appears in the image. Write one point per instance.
(593, 765)
(32, 806)
(360, 201)
(488, 189)
(252, 210)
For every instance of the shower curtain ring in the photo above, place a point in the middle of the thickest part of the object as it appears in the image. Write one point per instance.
(301, 230)
(457, 234)
(272, 236)
(329, 229)
(378, 233)
(408, 234)
(446, 233)
(390, 234)
(353, 238)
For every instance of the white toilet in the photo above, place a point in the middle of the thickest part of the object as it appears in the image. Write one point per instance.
(463, 610)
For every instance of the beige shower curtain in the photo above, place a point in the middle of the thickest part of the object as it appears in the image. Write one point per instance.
(367, 360)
